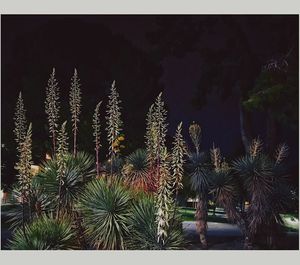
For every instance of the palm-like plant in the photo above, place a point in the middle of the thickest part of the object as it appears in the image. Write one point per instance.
(256, 174)
(78, 171)
(45, 233)
(135, 170)
(199, 172)
(224, 188)
(144, 228)
(263, 179)
(105, 209)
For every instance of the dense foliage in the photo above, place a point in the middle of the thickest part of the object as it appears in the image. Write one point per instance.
(130, 202)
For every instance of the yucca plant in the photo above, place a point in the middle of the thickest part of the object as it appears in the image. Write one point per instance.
(62, 151)
(136, 170)
(45, 233)
(159, 128)
(23, 167)
(39, 203)
(199, 171)
(97, 133)
(179, 151)
(198, 168)
(195, 134)
(143, 235)
(106, 209)
(114, 122)
(156, 131)
(164, 200)
(20, 122)
(75, 107)
(52, 107)
(79, 170)
(224, 187)
(150, 136)
(264, 181)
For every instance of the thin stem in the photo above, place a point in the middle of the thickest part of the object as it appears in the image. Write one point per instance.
(97, 161)
(53, 142)
(23, 216)
(59, 197)
(75, 137)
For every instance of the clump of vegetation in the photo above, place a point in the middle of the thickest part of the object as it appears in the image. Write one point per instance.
(144, 228)
(45, 233)
(106, 210)
(264, 180)
(136, 170)
(131, 202)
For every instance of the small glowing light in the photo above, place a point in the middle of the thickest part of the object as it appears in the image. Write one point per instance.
(34, 169)
(48, 157)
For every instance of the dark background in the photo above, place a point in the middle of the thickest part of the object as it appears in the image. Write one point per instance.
(205, 66)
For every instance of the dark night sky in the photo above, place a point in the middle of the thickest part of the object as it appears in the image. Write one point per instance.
(26, 40)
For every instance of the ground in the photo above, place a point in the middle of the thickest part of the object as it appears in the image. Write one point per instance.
(224, 236)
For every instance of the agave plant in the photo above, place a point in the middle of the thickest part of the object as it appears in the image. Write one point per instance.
(144, 228)
(79, 171)
(135, 170)
(105, 209)
(45, 233)
(199, 172)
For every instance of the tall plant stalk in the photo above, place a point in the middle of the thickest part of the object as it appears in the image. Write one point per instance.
(195, 134)
(75, 107)
(62, 151)
(159, 131)
(177, 160)
(150, 136)
(158, 156)
(164, 199)
(114, 122)
(20, 122)
(199, 177)
(96, 134)
(24, 171)
(52, 107)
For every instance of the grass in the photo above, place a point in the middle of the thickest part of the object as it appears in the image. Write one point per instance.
(188, 214)
(291, 220)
